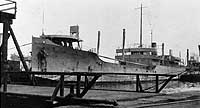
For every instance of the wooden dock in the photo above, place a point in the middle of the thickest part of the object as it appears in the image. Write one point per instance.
(36, 96)
(80, 92)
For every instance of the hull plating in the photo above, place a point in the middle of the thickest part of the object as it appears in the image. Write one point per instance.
(65, 59)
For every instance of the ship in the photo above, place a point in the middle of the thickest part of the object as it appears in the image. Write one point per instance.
(162, 64)
(63, 53)
(167, 64)
(192, 68)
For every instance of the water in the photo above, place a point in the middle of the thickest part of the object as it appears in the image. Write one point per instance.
(172, 86)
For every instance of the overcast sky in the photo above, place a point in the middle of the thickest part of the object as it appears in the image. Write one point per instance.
(174, 22)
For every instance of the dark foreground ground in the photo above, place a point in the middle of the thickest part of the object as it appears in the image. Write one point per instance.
(20, 96)
(20, 101)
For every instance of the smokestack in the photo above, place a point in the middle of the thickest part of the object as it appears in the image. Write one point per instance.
(153, 45)
(170, 52)
(187, 57)
(98, 42)
(123, 44)
(179, 54)
(199, 49)
(163, 49)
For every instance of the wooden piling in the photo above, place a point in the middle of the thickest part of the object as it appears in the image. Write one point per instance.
(78, 84)
(137, 83)
(157, 83)
(62, 85)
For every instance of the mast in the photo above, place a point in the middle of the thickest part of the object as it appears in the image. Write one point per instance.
(141, 26)
(187, 56)
(199, 49)
(43, 15)
(43, 23)
(163, 49)
(123, 44)
(151, 36)
(98, 42)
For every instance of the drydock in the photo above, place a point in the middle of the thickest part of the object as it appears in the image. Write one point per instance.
(79, 90)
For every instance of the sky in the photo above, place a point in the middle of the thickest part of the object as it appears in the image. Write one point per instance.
(173, 22)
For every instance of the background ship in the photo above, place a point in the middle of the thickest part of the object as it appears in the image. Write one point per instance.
(149, 56)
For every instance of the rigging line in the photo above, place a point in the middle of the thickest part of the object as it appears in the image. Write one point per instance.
(20, 46)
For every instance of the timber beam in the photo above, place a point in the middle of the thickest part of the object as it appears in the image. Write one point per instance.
(79, 93)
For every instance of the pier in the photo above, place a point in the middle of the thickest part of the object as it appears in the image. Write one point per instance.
(37, 96)
(80, 87)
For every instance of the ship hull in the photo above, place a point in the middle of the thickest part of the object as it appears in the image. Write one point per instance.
(65, 59)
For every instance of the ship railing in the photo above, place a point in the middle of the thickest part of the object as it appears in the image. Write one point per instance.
(135, 45)
(88, 48)
(9, 6)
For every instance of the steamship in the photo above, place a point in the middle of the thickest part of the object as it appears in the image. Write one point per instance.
(63, 53)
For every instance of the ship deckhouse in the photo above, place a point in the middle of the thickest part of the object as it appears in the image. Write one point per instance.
(66, 40)
(140, 55)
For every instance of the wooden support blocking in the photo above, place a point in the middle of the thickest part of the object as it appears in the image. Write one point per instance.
(90, 84)
(5, 82)
(78, 84)
(138, 84)
(86, 81)
(71, 89)
(55, 92)
(62, 85)
(157, 83)
(166, 82)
